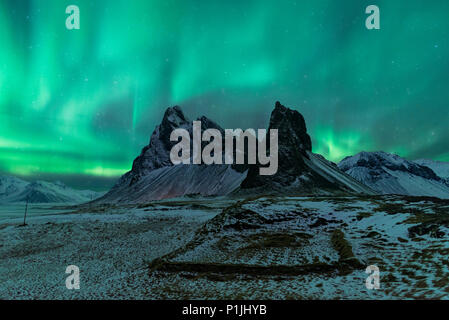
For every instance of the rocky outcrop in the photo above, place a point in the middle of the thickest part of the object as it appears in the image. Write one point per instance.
(299, 171)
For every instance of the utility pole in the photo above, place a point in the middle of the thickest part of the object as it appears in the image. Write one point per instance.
(25, 216)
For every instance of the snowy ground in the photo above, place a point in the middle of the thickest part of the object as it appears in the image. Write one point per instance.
(265, 248)
(112, 250)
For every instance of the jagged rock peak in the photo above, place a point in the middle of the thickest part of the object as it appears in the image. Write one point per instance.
(293, 145)
(157, 153)
(174, 116)
(291, 126)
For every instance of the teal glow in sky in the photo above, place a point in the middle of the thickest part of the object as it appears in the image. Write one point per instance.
(82, 103)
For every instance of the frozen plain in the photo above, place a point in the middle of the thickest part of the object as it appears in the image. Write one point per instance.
(229, 248)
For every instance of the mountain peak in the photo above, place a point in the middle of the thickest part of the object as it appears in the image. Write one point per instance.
(293, 144)
(299, 170)
(174, 116)
(292, 126)
(156, 155)
(278, 105)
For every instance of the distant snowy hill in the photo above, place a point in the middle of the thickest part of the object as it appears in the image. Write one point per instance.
(13, 190)
(391, 174)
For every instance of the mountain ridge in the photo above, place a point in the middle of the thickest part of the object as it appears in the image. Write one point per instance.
(391, 174)
(154, 177)
(16, 190)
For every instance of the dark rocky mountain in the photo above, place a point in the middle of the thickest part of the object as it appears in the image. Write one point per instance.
(391, 174)
(154, 177)
(157, 154)
(299, 171)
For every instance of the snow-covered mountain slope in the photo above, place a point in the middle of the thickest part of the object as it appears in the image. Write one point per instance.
(11, 187)
(440, 168)
(177, 181)
(391, 174)
(331, 173)
(13, 190)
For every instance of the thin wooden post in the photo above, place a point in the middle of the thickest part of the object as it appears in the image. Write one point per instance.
(25, 216)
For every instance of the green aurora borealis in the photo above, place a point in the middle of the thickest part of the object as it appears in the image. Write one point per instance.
(79, 105)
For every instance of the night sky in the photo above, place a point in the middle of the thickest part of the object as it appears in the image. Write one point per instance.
(78, 105)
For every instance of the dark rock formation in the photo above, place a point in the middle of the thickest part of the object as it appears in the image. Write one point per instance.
(294, 147)
(157, 154)
(153, 176)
